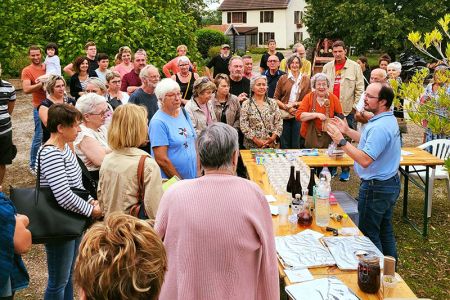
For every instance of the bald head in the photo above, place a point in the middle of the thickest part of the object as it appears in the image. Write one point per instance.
(378, 75)
(273, 62)
(300, 50)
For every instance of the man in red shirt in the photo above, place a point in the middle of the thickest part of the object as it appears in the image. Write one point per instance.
(347, 83)
(32, 84)
(131, 81)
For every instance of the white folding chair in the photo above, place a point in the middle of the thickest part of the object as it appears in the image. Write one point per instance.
(439, 148)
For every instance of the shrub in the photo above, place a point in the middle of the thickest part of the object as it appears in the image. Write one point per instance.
(213, 51)
(207, 38)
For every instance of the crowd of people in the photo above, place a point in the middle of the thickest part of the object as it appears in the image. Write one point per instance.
(121, 132)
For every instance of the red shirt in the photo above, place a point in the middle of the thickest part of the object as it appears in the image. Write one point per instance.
(32, 72)
(130, 79)
(337, 79)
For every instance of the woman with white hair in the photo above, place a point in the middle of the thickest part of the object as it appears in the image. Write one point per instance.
(172, 135)
(260, 118)
(217, 224)
(55, 88)
(91, 144)
(316, 108)
(185, 78)
(394, 69)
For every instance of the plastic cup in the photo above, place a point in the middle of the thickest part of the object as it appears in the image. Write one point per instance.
(283, 211)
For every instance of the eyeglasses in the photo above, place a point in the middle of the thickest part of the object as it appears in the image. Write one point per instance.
(183, 65)
(101, 114)
(205, 80)
(272, 60)
(370, 96)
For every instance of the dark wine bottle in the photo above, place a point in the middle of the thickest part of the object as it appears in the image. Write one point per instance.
(297, 187)
(312, 183)
(291, 181)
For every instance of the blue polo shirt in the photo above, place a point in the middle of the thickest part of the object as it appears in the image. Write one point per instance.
(381, 141)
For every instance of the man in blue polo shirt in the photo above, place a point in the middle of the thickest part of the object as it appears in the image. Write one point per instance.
(377, 158)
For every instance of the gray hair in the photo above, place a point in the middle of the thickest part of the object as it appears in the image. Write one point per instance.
(165, 86)
(87, 103)
(396, 65)
(235, 58)
(216, 145)
(183, 59)
(319, 77)
(145, 70)
(255, 78)
(97, 82)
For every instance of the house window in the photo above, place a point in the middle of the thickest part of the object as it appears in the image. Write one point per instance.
(298, 17)
(265, 36)
(298, 37)
(237, 17)
(266, 16)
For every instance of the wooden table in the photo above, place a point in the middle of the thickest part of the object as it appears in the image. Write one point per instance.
(418, 157)
(258, 174)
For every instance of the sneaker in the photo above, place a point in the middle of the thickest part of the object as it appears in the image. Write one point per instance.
(345, 175)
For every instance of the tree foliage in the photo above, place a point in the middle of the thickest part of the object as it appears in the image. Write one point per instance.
(376, 24)
(207, 38)
(157, 26)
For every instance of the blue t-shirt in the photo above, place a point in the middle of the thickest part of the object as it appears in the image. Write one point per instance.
(381, 141)
(179, 136)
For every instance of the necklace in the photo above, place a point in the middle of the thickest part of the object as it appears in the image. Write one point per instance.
(181, 74)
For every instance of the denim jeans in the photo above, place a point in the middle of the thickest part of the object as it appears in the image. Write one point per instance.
(375, 206)
(37, 138)
(290, 138)
(60, 261)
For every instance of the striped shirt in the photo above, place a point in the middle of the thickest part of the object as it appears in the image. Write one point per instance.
(7, 94)
(60, 171)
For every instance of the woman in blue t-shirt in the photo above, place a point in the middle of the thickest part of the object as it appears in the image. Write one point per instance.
(172, 134)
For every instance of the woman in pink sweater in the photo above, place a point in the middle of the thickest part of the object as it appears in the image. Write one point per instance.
(217, 229)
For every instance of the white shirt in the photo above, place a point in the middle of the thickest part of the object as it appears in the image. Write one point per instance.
(295, 86)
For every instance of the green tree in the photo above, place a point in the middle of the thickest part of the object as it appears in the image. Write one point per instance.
(374, 24)
(207, 38)
(157, 26)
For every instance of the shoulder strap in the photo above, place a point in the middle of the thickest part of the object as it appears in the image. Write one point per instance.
(260, 115)
(38, 172)
(187, 88)
(140, 177)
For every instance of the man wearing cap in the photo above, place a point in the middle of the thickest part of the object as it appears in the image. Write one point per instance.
(219, 62)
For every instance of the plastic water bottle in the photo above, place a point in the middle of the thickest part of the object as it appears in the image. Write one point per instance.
(322, 208)
(325, 173)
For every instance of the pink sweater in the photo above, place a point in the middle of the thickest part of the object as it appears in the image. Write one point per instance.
(217, 230)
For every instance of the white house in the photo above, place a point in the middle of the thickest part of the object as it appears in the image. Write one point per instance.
(257, 21)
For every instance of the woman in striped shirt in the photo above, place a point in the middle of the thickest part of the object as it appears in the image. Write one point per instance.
(60, 171)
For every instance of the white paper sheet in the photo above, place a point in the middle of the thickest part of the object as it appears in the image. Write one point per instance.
(343, 249)
(270, 198)
(302, 251)
(319, 289)
(298, 275)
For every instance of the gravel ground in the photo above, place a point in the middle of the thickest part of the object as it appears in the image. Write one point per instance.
(18, 175)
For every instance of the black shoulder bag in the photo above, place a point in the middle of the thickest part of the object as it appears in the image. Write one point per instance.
(48, 220)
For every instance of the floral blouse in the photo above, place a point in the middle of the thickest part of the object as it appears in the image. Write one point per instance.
(260, 124)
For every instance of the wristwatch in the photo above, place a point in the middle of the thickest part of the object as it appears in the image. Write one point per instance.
(342, 142)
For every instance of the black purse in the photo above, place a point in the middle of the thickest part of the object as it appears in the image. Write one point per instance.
(49, 222)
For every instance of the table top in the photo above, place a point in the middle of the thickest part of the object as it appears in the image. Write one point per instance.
(417, 157)
(257, 174)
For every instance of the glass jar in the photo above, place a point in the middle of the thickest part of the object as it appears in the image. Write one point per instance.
(369, 273)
